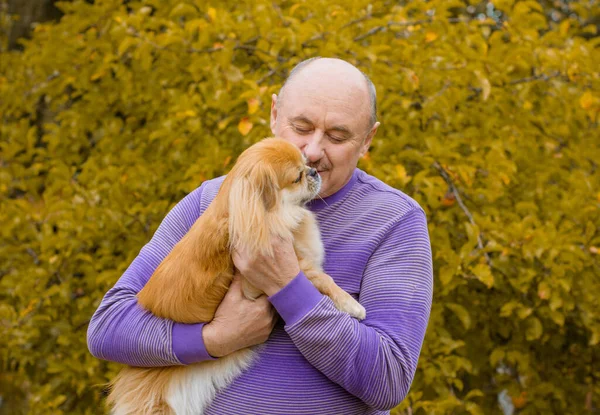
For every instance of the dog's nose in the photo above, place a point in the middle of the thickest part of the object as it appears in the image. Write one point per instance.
(312, 172)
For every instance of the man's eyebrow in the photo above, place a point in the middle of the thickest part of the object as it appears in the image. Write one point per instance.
(341, 128)
(301, 118)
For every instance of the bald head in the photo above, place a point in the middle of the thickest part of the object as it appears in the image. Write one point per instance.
(334, 76)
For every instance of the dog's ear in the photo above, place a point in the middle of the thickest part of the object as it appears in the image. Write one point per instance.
(251, 196)
(264, 180)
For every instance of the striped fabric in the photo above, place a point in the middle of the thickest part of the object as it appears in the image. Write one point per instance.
(317, 360)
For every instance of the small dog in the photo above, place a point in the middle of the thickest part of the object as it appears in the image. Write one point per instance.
(263, 195)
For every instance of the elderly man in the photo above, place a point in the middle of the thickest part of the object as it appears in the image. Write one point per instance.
(318, 360)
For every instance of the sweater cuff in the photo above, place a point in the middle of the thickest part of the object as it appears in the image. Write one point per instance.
(188, 344)
(296, 299)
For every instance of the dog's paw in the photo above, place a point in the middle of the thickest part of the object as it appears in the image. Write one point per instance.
(348, 304)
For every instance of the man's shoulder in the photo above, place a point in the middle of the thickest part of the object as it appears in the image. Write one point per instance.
(373, 194)
(211, 187)
(199, 198)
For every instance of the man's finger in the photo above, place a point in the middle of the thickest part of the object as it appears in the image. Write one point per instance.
(236, 283)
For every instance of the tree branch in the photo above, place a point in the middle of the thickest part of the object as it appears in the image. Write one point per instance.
(456, 193)
(389, 24)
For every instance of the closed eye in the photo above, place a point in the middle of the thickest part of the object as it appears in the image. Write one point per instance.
(302, 129)
(336, 138)
(299, 177)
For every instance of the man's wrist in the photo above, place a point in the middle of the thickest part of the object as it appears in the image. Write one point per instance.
(188, 344)
(211, 341)
(276, 287)
(296, 299)
(279, 283)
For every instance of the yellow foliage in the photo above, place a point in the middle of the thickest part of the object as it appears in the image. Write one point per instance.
(116, 112)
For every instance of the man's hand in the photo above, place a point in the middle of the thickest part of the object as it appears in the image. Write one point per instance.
(238, 322)
(269, 274)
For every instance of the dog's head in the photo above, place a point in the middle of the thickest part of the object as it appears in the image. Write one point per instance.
(268, 182)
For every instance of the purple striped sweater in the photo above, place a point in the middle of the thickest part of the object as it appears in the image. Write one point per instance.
(318, 360)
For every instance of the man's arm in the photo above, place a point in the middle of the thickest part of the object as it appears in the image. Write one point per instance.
(375, 359)
(122, 331)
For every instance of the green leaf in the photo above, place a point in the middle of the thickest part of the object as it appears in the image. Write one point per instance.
(534, 329)
(462, 314)
(484, 274)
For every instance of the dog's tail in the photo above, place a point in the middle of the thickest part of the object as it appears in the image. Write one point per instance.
(141, 391)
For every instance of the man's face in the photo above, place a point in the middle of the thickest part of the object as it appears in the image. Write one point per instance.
(332, 131)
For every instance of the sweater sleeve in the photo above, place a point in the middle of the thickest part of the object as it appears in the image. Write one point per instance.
(121, 331)
(374, 359)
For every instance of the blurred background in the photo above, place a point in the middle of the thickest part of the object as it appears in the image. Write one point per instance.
(112, 111)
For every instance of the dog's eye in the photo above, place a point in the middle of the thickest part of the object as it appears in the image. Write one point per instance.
(299, 177)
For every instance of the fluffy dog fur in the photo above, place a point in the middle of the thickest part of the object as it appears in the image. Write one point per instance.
(263, 195)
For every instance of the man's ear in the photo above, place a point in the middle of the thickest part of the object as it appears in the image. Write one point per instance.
(367, 143)
(273, 113)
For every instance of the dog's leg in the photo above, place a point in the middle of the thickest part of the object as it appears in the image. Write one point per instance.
(325, 284)
(309, 249)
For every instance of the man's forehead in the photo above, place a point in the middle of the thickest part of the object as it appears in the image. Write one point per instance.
(343, 104)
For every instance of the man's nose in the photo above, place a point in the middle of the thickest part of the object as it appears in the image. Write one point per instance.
(313, 150)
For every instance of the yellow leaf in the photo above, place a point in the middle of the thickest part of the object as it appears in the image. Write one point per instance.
(98, 75)
(430, 37)
(126, 44)
(186, 114)
(252, 105)
(543, 291)
(245, 126)
(400, 171)
(449, 199)
(586, 100)
(414, 78)
(484, 274)
(294, 8)
(486, 87)
(519, 401)
(223, 123)
(462, 314)
(212, 13)
(28, 309)
(564, 27)
(534, 329)
(527, 105)
(446, 274)
(594, 250)
(573, 72)
(402, 175)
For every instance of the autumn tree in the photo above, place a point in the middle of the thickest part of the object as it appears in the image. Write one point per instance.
(489, 117)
